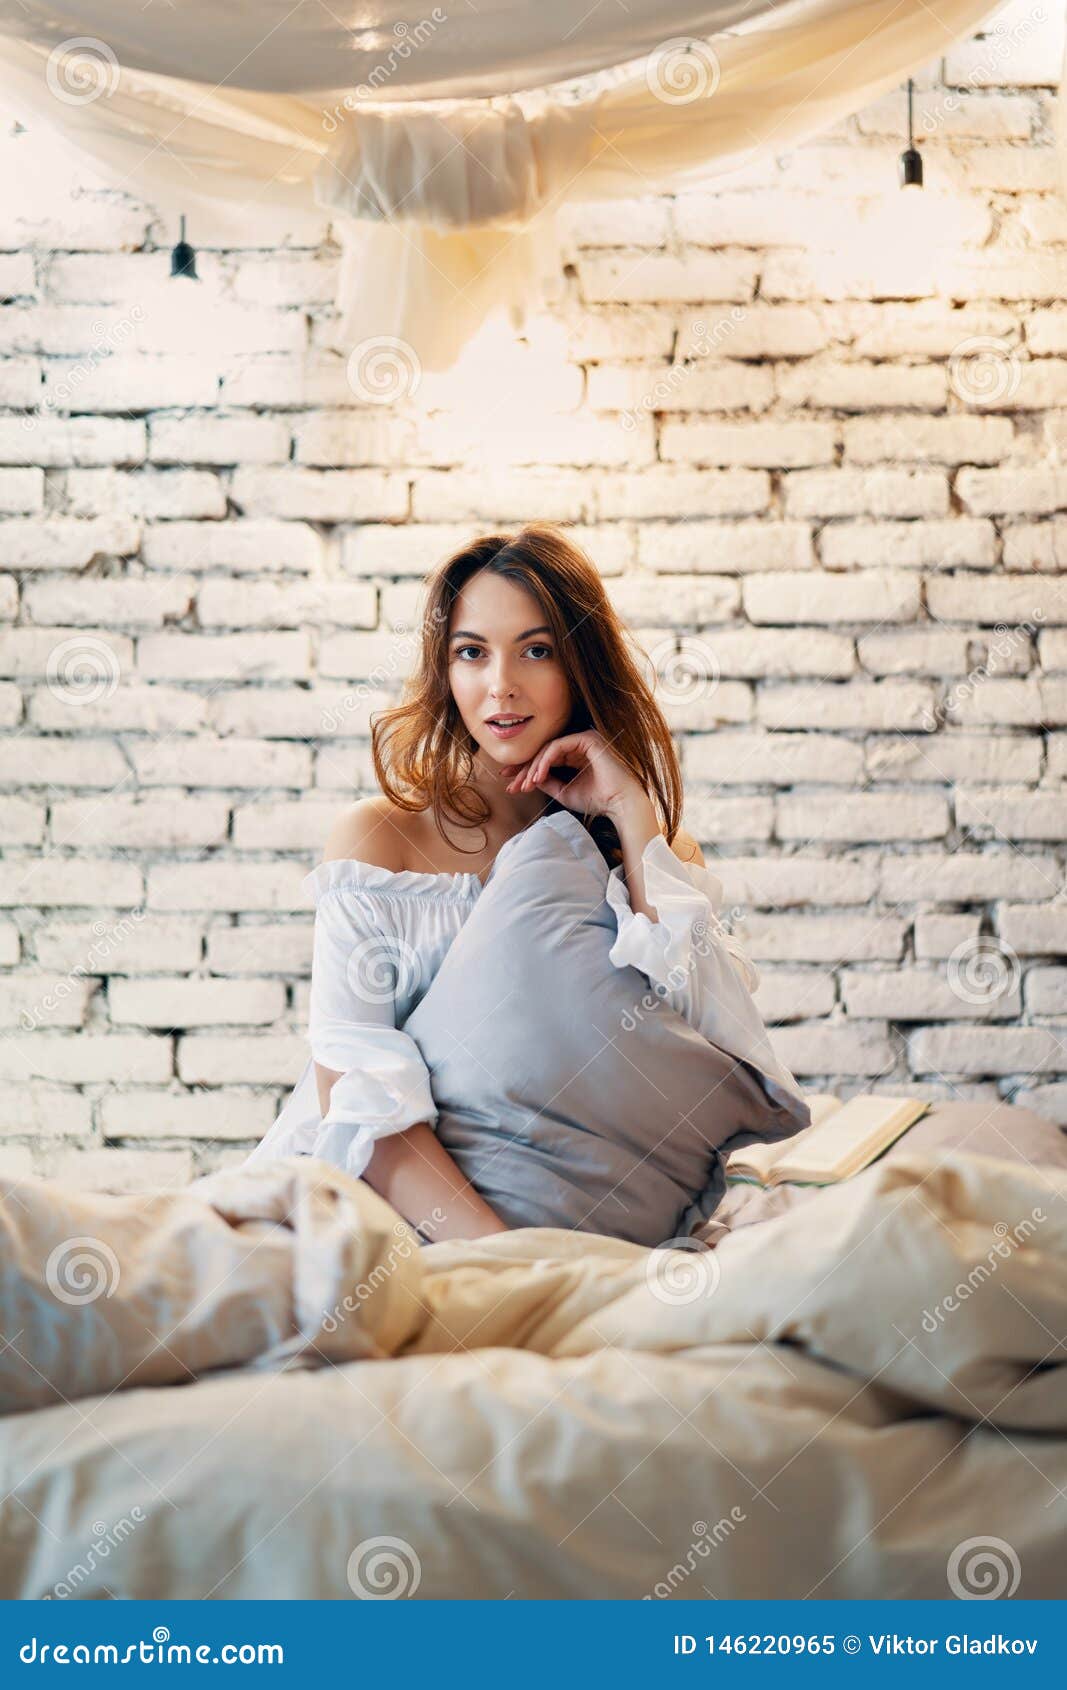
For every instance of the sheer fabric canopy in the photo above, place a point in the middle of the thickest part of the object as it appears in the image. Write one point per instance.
(443, 145)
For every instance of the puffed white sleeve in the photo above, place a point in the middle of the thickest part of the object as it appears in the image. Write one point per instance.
(384, 1084)
(697, 965)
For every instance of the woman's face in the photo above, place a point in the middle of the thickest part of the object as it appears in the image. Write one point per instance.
(503, 661)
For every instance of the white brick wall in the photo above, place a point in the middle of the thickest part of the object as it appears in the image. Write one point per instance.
(812, 431)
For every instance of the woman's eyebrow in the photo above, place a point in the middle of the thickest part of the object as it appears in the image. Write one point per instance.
(471, 635)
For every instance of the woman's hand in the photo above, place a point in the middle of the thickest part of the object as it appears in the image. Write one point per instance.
(603, 786)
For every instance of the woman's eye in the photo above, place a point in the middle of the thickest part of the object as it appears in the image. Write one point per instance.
(539, 646)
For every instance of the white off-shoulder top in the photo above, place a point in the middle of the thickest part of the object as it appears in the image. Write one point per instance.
(380, 937)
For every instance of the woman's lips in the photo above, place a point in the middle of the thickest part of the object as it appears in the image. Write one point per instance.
(509, 733)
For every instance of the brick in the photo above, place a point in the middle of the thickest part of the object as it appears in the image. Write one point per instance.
(157, 495)
(672, 547)
(772, 759)
(243, 547)
(868, 493)
(814, 1047)
(940, 440)
(139, 824)
(320, 495)
(863, 816)
(193, 657)
(654, 277)
(968, 876)
(223, 762)
(1012, 812)
(1013, 599)
(254, 604)
(972, 1051)
(677, 493)
(234, 1114)
(922, 994)
(753, 445)
(859, 704)
(172, 1003)
(218, 439)
(57, 441)
(949, 757)
(964, 543)
(817, 596)
(865, 386)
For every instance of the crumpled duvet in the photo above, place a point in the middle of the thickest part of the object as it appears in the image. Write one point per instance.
(839, 1402)
(946, 1280)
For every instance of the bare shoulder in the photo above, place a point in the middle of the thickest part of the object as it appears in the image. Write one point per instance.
(371, 831)
(686, 848)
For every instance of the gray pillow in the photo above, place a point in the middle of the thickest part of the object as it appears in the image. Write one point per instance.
(570, 1094)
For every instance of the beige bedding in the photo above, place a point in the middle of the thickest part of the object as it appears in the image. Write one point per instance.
(828, 1404)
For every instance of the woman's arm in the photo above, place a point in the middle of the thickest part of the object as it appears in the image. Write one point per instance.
(413, 1171)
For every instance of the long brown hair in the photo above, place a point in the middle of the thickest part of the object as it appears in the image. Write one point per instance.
(423, 755)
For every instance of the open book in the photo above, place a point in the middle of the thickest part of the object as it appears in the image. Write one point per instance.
(843, 1139)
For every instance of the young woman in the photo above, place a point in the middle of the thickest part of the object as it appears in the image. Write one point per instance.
(527, 697)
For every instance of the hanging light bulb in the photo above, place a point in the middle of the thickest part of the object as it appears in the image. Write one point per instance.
(911, 163)
(183, 257)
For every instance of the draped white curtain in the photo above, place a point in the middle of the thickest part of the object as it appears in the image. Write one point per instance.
(443, 145)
